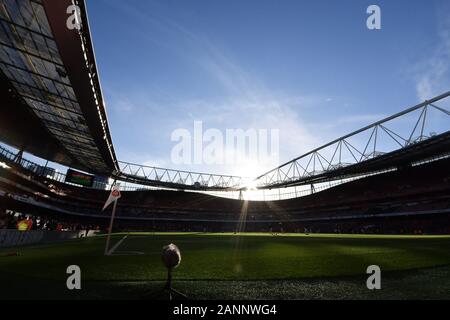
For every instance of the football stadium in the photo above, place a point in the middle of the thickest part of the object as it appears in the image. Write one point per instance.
(373, 201)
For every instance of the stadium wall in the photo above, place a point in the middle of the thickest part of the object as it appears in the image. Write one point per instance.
(13, 238)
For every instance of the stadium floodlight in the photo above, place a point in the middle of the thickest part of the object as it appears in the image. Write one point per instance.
(171, 257)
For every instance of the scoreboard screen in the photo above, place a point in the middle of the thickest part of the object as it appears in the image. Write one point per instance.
(79, 178)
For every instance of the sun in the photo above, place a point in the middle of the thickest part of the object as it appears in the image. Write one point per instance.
(249, 171)
(251, 185)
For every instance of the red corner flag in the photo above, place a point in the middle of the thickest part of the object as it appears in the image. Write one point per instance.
(113, 196)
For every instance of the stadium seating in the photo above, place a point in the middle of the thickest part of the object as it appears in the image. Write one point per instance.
(410, 197)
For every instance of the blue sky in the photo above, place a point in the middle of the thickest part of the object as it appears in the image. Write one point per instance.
(311, 69)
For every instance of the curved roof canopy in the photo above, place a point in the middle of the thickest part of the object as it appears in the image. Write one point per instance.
(51, 99)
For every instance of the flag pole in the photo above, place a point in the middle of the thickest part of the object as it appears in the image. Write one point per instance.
(110, 228)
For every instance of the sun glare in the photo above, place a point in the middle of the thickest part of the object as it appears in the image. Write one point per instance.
(251, 185)
(250, 172)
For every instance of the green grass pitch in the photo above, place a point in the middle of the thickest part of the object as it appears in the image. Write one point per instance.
(228, 266)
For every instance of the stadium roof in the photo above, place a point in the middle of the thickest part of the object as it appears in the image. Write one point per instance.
(368, 156)
(52, 107)
(376, 148)
(52, 104)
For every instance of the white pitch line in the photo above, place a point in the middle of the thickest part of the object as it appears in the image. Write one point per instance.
(110, 252)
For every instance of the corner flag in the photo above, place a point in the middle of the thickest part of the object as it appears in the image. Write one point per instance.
(113, 196)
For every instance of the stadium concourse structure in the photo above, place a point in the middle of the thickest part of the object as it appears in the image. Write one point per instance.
(391, 176)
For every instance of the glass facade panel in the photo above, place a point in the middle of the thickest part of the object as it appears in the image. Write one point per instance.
(30, 59)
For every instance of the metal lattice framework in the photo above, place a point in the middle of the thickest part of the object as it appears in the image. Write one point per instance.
(378, 140)
(179, 179)
(376, 147)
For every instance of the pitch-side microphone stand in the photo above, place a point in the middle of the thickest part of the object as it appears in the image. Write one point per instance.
(168, 287)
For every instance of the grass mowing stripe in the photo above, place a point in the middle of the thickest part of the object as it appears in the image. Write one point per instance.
(217, 256)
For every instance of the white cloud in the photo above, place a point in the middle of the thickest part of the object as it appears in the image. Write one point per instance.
(433, 76)
(247, 102)
(362, 119)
